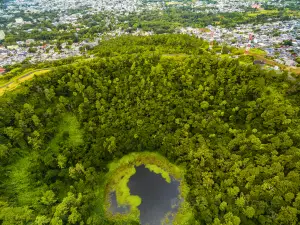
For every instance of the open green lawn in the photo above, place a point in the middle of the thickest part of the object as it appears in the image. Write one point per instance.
(19, 180)
(262, 12)
(257, 51)
(71, 126)
(20, 184)
(14, 82)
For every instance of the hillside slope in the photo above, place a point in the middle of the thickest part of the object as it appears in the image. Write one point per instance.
(234, 127)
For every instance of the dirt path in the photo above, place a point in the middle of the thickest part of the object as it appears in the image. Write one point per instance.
(13, 84)
(295, 70)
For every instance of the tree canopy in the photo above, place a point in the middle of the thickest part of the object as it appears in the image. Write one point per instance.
(234, 127)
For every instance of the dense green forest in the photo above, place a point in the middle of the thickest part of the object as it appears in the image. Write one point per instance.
(234, 127)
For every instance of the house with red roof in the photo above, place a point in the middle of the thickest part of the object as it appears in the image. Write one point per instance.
(256, 6)
(2, 70)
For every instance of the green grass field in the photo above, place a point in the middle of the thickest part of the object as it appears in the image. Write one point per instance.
(19, 180)
(71, 126)
(262, 12)
(20, 183)
(16, 81)
(257, 51)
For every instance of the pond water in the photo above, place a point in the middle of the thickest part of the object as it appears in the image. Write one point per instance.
(114, 208)
(158, 196)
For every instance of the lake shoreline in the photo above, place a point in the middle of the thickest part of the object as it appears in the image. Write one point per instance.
(118, 177)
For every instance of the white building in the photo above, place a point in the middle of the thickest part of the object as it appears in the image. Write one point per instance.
(19, 20)
(2, 35)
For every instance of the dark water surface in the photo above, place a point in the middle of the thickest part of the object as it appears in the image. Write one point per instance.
(114, 208)
(158, 196)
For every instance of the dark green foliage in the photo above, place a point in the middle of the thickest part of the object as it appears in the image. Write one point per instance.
(288, 42)
(234, 127)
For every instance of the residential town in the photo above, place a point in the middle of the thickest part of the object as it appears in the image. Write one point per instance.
(224, 6)
(18, 53)
(49, 52)
(279, 40)
(35, 6)
(269, 37)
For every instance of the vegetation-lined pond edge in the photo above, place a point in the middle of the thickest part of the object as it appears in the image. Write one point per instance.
(120, 172)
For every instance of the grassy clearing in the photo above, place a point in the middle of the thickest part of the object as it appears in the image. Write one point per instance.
(180, 56)
(173, 3)
(263, 12)
(14, 74)
(257, 51)
(69, 127)
(270, 62)
(118, 177)
(295, 70)
(20, 184)
(16, 81)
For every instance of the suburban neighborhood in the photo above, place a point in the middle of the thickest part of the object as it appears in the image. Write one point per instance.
(278, 40)
(270, 37)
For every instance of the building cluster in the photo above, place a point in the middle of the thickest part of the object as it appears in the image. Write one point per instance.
(67, 12)
(281, 3)
(224, 6)
(20, 52)
(240, 6)
(269, 37)
(2, 35)
(279, 40)
(35, 6)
